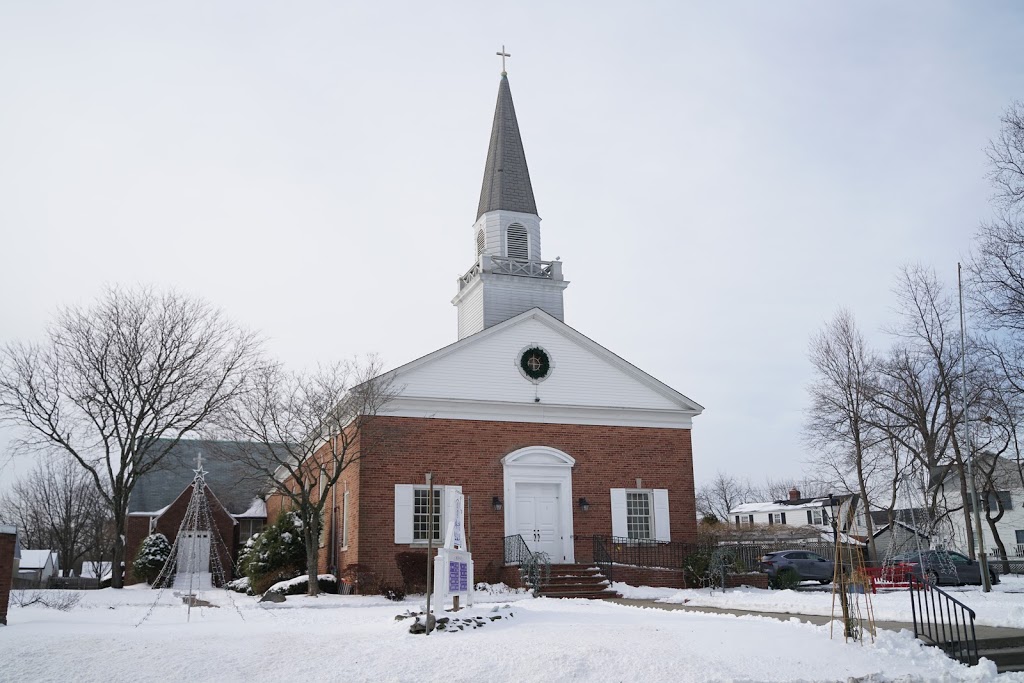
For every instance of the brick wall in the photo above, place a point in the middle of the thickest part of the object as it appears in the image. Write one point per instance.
(6, 573)
(649, 576)
(468, 453)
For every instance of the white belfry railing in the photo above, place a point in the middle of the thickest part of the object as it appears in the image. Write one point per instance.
(503, 265)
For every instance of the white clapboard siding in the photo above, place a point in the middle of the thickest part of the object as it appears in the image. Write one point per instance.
(486, 369)
(471, 312)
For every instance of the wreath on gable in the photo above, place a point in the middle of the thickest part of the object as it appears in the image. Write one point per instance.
(535, 363)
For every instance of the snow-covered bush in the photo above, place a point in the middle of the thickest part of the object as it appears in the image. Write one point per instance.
(239, 585)
(277, 553)
(328, 584)
(152, 557)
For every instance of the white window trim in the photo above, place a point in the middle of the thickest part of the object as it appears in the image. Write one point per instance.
(781, 518)
(660, 517)
(405, 511)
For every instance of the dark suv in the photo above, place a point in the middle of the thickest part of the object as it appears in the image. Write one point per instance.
(932, 567)
(798, 565)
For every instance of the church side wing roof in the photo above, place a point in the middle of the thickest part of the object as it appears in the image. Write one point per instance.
(233, 484)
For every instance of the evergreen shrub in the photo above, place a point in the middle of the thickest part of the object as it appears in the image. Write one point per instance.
(151, 558)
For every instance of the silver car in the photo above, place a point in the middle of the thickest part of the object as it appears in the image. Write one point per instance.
(802, 565)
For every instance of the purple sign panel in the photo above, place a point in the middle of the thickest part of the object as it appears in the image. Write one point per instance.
(458, 577)
(453, 577)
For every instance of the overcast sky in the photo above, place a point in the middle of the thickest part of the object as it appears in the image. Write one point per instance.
(718, 178)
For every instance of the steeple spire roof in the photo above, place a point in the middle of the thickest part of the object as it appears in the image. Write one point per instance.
(506, 183)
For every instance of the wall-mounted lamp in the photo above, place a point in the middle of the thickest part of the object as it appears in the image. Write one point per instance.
(496, 504)
(584, 505)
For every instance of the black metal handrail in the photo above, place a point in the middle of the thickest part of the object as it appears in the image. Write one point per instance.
(603, 558)
(516, 550)
(943, 621)
(534, 568)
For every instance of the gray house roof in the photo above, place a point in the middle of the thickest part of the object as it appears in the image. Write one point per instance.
(506, 183)
(232, 483)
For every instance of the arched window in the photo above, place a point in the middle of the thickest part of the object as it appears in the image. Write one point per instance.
(479, 242)
(518, 242)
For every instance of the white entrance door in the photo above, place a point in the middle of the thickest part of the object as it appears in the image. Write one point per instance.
(194, 552)
(537, 519)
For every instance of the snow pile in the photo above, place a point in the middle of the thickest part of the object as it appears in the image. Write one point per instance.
(550, 640)
(1004, 606)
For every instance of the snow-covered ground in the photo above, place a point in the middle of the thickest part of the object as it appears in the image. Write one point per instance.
(127, 635)
(1004, 606)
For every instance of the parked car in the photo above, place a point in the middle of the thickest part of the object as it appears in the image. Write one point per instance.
(798, 565)
(930, 566)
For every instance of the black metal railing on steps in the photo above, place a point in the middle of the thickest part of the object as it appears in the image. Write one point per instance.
(603, 558)
(534, 568)
(943, 621)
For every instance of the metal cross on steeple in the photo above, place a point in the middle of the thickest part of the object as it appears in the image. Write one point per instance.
(503, 54)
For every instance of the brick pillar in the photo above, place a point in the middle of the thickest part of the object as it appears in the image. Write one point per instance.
(7, 538)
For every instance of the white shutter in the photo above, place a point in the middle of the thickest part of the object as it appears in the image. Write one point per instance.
(661, 530)
(403, 513)
(619, 513)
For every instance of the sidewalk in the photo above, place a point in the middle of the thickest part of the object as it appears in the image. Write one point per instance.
(982, 632)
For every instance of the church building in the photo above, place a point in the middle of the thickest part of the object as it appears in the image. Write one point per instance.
(552, 439)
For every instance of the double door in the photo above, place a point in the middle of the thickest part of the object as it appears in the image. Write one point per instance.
(538, 520)
(194, 552)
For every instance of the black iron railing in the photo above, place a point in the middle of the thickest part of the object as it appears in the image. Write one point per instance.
(603, 558)
(534, 568)
(943, 621)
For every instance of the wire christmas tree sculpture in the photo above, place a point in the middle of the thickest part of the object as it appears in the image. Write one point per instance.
(195, 562)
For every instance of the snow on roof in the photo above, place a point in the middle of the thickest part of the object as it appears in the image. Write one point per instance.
(89, 570)
(257, 508)
(154, 513)
(35, 559)
(748, 508)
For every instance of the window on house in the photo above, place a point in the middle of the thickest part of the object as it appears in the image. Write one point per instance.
(422, 523)
(638, 515)
(996, 499)
(247, 528)
(1020, 536)
(744, 520)
(344, 520)
(776, 517)
(518, 242)
(818, 516)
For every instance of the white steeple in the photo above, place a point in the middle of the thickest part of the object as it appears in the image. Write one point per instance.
(509, 276)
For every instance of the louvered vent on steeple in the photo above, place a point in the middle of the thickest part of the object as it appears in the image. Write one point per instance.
(518, 242)
(479, 242)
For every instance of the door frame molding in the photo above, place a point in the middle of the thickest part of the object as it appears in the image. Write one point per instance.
(541, 465)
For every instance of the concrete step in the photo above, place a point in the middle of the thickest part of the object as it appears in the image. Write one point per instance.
(575, 578)
(588, 594)
(1010, 656)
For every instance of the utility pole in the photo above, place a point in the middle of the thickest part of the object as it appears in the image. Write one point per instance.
(982, 560)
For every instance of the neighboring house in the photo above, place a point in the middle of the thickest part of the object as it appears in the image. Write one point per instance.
(907, 532)
(999, 481)
(37, 567)
(161, 496)
(96, 571)
(551, 438)
(813, 514)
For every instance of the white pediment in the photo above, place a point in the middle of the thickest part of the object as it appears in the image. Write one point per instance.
(587, 383)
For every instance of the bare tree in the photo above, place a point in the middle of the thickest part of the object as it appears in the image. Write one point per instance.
(299, 432)
(1006, 156)
(921, 395)
(839, 420)
(722, 494)
(54, 506)
(113, 378)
